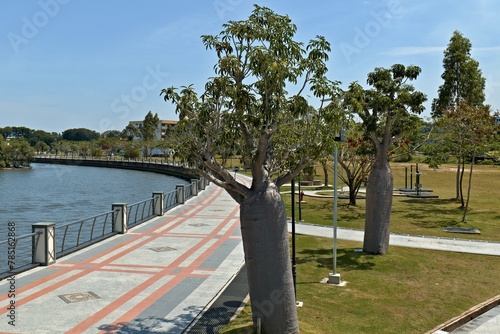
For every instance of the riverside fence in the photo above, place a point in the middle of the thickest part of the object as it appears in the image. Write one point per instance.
(49, 241)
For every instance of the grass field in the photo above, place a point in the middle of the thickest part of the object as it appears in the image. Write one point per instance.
(423, 216)
(406, 290)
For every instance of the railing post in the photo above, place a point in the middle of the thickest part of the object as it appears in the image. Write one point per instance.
(181, 197)
(44, 244)
(119, 217)
(158, 203)
(194, 187)
(202, 183)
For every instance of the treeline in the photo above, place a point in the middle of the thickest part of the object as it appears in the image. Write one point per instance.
(18, 145)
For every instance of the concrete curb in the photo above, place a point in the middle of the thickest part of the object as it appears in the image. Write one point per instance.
(455, 323)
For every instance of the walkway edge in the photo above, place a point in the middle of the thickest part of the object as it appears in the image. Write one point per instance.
(467, 316)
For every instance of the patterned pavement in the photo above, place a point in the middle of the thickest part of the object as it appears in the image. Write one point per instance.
(157, 278)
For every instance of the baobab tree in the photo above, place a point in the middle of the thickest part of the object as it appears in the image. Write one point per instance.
(390, 100)
(246, 105)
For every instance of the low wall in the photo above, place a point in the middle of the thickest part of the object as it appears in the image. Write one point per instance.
(146, 166)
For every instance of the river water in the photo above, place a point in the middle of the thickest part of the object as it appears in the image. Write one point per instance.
(63, 194)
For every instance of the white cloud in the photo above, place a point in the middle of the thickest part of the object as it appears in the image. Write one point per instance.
(486, 50)
(413, 50)
(423, 50)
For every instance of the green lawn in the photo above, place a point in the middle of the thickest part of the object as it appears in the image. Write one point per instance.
(406, 290)
(423, 216)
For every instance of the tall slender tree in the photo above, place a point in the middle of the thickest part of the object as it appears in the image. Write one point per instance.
(246, 105)
(148, 131)
(463, 82)
(389, 101)
(470, 129)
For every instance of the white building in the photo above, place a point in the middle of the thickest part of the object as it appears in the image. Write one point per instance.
(162, 130)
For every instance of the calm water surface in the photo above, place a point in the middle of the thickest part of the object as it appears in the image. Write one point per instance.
(63, 194)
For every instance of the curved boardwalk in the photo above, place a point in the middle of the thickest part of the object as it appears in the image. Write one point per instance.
(156, 278)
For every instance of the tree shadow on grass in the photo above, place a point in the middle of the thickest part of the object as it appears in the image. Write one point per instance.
(431, 213)
(347, 258)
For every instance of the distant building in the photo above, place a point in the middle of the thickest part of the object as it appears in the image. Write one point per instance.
(497, 120)
(162, 130)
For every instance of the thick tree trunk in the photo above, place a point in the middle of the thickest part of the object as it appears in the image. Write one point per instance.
(265, 241)
(378, 207)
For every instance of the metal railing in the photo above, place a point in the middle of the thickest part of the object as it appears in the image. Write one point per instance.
(81, 233)
(76, 235)
(140, 212)
(158, 161)
(20, 256)
(170, 201)
(188, 191)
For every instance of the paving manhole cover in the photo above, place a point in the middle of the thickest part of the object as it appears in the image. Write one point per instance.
(79, 297)
(163, 249)
(199, 225)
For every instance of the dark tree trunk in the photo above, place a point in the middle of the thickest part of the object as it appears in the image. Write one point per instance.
(265, 241)
(466, 207)
(325, 171)
(378, 207)
(461, 188)
(353, 192)
(457, 180)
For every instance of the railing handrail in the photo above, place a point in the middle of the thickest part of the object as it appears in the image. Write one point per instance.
(141, 202)
(24, 236)
(81, 220)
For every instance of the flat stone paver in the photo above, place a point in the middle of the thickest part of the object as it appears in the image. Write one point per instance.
(157, 278)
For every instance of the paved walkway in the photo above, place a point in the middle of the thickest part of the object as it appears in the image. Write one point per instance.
(156, 278)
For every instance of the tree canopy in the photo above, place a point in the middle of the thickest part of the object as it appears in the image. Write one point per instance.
(80, 134)
(463, 79)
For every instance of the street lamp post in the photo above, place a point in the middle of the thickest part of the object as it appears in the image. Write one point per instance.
(334, 277)
(300, 202)
(294, 260)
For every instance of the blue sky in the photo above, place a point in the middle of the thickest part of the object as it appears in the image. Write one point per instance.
(98, 64)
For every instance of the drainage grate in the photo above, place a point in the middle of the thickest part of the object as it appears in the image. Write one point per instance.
(163, 249)
(199, 225)
(79, 297)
